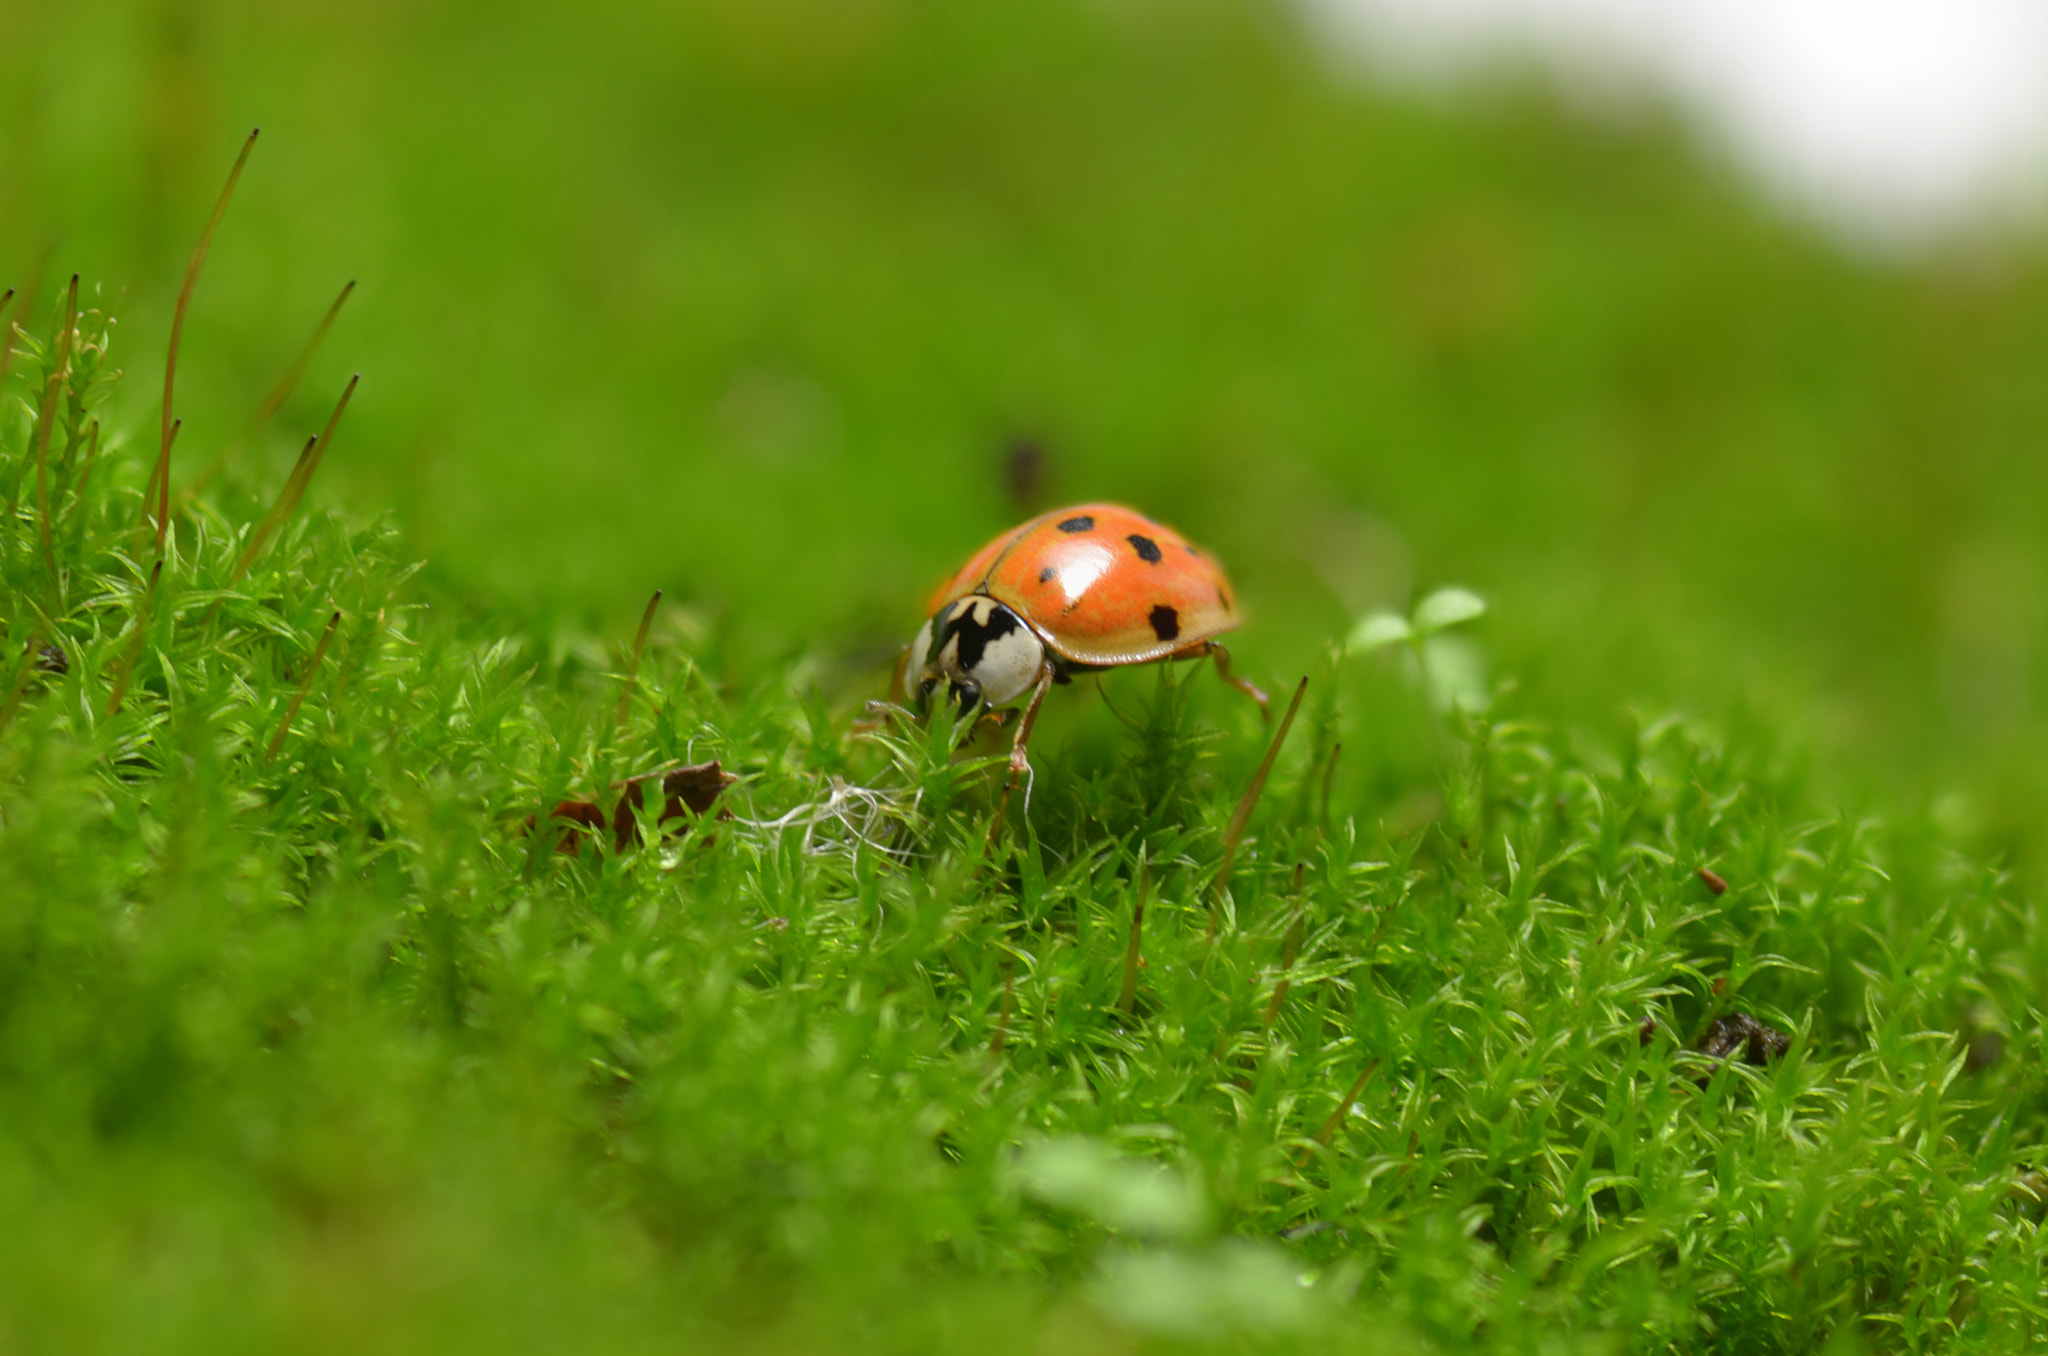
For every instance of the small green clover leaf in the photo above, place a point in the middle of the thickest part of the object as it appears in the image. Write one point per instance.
(1445, 608)
(1376, 630)
(1231, 1286)
(1452, 669)
(1439, 611)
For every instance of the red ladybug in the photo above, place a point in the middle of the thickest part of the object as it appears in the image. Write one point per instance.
(1072, 591)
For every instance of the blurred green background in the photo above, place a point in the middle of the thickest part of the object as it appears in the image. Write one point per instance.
(753, 300)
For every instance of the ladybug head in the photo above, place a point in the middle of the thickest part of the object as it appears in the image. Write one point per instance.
(981, 651)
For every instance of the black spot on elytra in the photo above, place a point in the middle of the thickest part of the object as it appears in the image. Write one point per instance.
(1147, 549)
(1078, 523)
(1190, 550)
(1165, 622)
(976, 636)
(1045, 575)
(1223, 597)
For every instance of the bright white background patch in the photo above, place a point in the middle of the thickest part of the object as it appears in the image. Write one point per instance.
(1891, 120)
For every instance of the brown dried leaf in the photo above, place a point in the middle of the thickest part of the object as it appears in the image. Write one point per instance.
(686, 792)
(1738, 1031)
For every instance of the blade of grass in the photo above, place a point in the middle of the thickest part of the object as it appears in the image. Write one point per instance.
(1233, 834)
(305, 685)
(160, 478)
(632, 682)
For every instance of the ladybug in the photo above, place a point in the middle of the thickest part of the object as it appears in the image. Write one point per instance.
(1074, 591)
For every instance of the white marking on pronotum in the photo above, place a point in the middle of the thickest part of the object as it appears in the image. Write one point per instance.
(1008, 664)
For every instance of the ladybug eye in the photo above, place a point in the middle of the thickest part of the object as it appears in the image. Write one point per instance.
(967, 693)
(924, 692)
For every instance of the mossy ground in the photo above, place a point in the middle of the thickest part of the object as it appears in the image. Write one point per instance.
(305, 1043)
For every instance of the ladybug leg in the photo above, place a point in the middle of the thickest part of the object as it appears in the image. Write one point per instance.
(1020, 766)
(1222, 656)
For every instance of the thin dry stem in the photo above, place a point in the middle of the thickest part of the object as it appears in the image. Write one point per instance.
(7, 334)
(149, 491)
(294, 485)
(274, 401)
(1336, 1118)
(160, 478)
(1002, 1032)
(305, 685)
(632, 683)
(1233, 834)
(1290, 947)
(289, 382)
(261, 536)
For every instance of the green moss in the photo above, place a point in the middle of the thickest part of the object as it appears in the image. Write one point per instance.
(323, 1050)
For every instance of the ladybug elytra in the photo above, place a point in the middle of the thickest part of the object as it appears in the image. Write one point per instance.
(1073, 591)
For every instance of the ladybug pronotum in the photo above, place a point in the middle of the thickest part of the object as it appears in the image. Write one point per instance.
(1073, 591)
